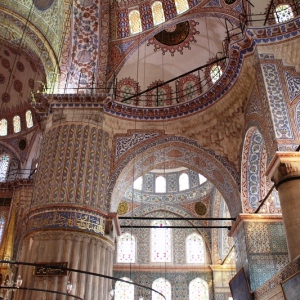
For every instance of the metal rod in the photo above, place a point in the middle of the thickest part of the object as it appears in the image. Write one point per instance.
(267, 16)
(264, 200)
(181, 227)
(173, 79)
(179, 219)
(81, 272)
(39, 290)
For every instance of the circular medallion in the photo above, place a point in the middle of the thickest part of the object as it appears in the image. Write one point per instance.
(5, 63)
(43, 4)
(174, 35)
(2, 78)
(20, 66)
(18, 86)
(229, 1)
(122, 208)
(5, 97)
(22, 144)
(200, 208)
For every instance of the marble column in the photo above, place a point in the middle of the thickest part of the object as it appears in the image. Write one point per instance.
(284, 171)
(69, 208)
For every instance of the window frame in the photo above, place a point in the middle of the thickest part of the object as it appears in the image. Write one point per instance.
(129, 21)
(135, 249)
(156, 296)
(20, 124)
(186, 250)
(121, 282)
(290, 12)
(167, 223)
(153, 15)
(206, 285)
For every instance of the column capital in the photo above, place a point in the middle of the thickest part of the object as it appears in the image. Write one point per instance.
(283, 166)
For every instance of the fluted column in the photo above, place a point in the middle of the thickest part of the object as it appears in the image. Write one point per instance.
(66, 221)
(284, 171)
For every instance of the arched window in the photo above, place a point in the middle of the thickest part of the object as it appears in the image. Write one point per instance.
(3, 127)
(160, 184)
(181, 6)
(157, 13)
(215, 73)
(29, 121)
(195, 249)
(161, 242)
(123, 290)
(184, 182)
(283, 13)
(164, 287)
(138, 183)
(198, 290)
(126, 248)
(202, 179)
(4, 163)
(17, 124)
(135, 23)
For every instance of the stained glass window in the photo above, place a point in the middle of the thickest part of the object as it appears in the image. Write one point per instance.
(123, 290)
(163, 286)
(283, 13)
(135, 23)
(4, 162)
(183, 182)
(126, 248)
(160, 184)
(138, 183)
(29, 121)
(194, 249)
(215, 73)
(3, 127)
(181, 6)
(157, 13)
(160, 242)
(17, 124)
(202, 179)
(198, 289)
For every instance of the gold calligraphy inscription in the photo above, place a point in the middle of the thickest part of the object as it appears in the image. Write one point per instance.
(50, 269)
(68, 219)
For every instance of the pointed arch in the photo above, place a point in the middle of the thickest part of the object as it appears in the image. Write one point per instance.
(126, 248)
(157, 13)
(135, 23)
(123, 290)
(184, 182)
(161, 242)
(159, 151)
(163, 286)
(194, 246)
(198, 289)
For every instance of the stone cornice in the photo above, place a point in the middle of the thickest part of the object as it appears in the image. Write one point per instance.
(242, 218)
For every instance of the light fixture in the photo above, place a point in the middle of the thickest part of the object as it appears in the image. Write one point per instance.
(112, 293)
(69, 287)
(19, 281)
(11, 283)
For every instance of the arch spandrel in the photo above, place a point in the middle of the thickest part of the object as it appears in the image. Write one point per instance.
(174, 152)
